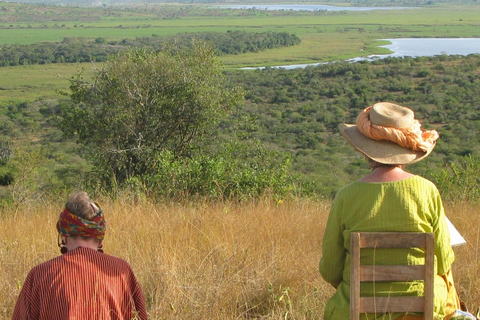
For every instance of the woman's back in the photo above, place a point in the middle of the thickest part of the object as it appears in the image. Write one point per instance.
(411, 204)
(387, 199)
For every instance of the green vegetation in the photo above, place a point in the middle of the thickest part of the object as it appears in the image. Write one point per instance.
(77, 50)
(294, 114)
(37, 82)
(142, 103)
(325, 35)
(283, 139)
(299, 110)
(238, 170)
(459, 180)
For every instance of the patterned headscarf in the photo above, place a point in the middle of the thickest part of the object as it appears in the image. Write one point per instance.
(72, 225)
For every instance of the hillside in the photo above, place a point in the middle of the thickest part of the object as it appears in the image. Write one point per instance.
(298, 112)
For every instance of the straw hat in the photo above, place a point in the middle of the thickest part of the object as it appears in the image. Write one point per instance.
(390, 115)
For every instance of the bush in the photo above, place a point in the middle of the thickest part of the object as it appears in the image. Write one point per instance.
(459, 182)
(238, 170)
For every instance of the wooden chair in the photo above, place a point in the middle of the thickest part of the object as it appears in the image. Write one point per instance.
(374, 273)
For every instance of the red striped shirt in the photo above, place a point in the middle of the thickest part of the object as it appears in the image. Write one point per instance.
(81, 284)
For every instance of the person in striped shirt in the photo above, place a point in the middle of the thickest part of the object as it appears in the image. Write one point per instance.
(83, 283)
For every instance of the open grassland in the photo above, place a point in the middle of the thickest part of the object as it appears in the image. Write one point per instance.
(326, 36)
(38, 82)
(26, 24)
(253, 260)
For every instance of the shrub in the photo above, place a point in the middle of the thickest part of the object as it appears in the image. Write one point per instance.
(238, 170)
(459, 182)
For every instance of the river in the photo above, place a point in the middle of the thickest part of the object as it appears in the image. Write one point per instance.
(414, 47)
(411, 47)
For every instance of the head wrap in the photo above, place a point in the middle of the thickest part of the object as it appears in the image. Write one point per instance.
(73, 225)
(411, 136)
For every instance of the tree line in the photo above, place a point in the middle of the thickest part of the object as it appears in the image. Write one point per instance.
(74, 50)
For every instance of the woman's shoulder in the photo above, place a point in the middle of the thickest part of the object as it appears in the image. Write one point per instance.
(105, 258)
(359, 186)
(426, 183)
(348, 189)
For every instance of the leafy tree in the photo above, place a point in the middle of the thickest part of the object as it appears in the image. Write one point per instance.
(143, 102)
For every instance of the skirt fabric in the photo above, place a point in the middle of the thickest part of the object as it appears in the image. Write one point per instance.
(453, 302)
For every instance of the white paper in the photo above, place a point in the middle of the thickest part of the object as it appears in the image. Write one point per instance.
(456, 238)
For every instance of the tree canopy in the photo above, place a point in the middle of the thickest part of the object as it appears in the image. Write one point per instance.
(143, 102)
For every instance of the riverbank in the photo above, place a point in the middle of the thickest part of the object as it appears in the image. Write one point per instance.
(410, 47)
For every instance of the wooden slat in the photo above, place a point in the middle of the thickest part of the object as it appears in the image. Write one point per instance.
(379, 273)
(392, 240)
(391, 304)
(392, 273)
(429, 275)
(354, 274)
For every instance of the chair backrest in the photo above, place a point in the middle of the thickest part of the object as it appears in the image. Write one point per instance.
(374, 273)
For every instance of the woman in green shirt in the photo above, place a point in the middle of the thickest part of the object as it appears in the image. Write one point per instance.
(387, 199)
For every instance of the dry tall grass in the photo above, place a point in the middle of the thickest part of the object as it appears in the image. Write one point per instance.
(213, 260)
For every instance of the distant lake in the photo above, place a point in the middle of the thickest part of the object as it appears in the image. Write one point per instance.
(415, 47)
(432, 46)
(307, 7)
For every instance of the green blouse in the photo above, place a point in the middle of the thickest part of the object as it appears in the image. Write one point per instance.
(413, 204)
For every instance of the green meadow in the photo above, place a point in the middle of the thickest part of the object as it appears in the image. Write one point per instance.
(31, 24)
(326, 35)
(37, 82)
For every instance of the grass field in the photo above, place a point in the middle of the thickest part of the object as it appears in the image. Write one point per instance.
(37, 82)
(214, 261)
(326, 36)
(433, 21)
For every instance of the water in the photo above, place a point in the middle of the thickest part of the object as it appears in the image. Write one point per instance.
(308, 7)
(290, 66)
(415, 47)
(433, 46)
